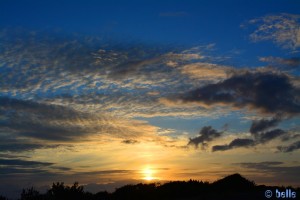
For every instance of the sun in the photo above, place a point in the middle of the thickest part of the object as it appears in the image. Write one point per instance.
(148, 174)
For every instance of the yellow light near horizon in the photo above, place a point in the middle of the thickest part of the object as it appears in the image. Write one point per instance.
(148, 174)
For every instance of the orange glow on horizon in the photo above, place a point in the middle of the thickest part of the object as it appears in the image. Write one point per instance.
(148, 174)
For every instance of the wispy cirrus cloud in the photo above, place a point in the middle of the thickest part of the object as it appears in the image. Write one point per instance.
(206, 71)
(40, 121)
(85, 72)
(18, 162)
(283, 63)
(283, 29)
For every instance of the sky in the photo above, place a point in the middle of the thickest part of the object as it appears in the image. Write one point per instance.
(108, 93)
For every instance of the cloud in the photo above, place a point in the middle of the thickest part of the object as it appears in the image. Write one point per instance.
(276, 170)
(262, 125)
(260, 134)
(32, 119)
(106, 172)
(260, 138)
(18, 162)
(20, 147)
(290, 148)
(207, 134)
(29, 119)
(265, 92)
(260, 165)
(7, 171)
(130, 141)
(133, 68)
(9, 156)
(260, 129)
(205, 71)
(234, 144)
(11, 167)
(95, 75)
(10, 143)
(267, 136)
(283, 29)
(290, 136)
(286, 63)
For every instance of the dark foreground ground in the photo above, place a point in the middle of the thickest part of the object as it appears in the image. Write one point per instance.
(233, 187)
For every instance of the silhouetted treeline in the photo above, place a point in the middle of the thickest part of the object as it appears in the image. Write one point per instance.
(233, 187)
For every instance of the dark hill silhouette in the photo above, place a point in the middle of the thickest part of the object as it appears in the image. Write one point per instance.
(234, 182)
(233, 187)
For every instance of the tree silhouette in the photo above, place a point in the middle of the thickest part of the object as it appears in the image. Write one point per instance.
(61, 192)
(30, 194)
(3, 198)
(233, 187)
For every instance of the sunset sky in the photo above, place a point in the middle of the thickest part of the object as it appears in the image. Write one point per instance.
(114, 92)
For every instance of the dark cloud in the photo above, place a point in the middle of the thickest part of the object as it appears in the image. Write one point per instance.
(234, 144)
(220, 148)
(7, 171)
(29, 119)
(44, 131)
(266, 92)
(260, 165)
(21, 166)
(241, 143)
(17, 108)
(267, 136)
(260, 130)
(279, 170)
(105, 172)
(9, 156)
(260, 138)
(61, 168)
(207, 134)
(38, 120)
(290, 136)
(262, 125)
(130, 141)
(10, 143)
(292, 147)
(18, 162)
(19, 147)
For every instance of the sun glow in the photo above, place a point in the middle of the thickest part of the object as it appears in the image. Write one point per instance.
(148, 174)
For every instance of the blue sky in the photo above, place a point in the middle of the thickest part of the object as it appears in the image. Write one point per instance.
(186, 88)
